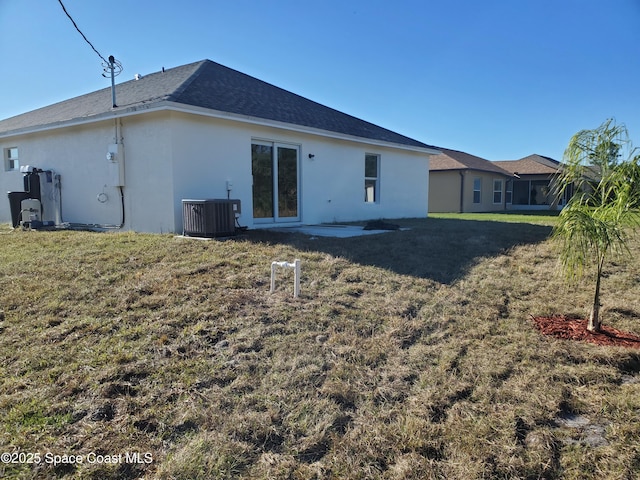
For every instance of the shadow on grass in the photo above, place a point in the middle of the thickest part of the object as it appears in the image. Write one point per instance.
(438, 249)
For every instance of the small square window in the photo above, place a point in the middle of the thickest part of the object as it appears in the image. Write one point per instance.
(11, 162)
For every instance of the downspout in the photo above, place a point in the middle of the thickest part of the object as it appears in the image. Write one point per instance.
(461, 191)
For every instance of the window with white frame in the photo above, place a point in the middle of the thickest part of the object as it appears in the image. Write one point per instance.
(11, 162)
(371, 178)
(497, 191)
(508, 193)
(477, 190)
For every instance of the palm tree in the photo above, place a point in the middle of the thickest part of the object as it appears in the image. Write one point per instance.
(597, 218)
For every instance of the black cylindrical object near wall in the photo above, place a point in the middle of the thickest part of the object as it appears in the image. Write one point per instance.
(15, 205)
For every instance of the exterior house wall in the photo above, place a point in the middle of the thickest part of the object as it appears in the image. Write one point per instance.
(444, 194)
(170, 156)
(78, 155)
(333, 180)
(444, 191)
(11, 181)
(486, 203)
(208, 152)
(147, 164)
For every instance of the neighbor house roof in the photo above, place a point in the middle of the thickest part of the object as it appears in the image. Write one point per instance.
(531, 165)
(456, 160)
(210, 86)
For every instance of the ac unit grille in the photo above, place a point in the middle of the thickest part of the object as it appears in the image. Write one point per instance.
(209, 218)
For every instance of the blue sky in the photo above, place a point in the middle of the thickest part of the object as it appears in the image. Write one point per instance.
(500, 79)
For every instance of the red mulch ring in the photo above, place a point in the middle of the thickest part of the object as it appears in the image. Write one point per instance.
(561, 326)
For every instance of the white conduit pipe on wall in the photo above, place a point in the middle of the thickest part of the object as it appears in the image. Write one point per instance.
(296, 266)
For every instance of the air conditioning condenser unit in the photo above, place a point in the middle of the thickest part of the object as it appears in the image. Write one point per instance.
(209, 218)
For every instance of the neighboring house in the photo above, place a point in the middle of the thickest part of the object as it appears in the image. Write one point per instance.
(533, 183)
(204, 131)
(460, 182)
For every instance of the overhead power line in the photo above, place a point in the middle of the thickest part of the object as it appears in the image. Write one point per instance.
(80, 32)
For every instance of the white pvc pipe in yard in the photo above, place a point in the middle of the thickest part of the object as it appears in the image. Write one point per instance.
(296, 266)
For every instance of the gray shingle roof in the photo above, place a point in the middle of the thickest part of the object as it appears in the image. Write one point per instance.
(456, 160)
(540, 165)
(150, 89)
(208, 85)
(531, 165)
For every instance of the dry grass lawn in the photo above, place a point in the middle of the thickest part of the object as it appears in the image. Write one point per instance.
(409, 355)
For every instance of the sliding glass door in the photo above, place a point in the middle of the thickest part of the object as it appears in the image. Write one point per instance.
(276, 182)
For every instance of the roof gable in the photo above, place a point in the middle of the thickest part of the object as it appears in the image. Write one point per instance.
(212, 86)
(531, 165)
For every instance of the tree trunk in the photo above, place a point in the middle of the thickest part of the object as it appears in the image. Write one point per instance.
(594, 318)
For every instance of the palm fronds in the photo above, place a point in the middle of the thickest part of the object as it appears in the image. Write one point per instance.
(596, 220)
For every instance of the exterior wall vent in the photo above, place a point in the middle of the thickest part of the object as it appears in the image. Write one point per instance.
(209, 218)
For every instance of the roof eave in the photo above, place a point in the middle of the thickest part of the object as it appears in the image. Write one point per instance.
(57, 125)
(470, 169)
(180, 107)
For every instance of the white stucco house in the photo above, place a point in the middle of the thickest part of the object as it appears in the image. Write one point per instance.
(204, 131)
